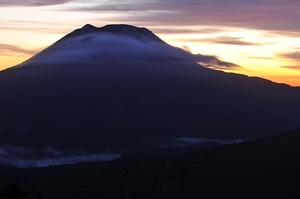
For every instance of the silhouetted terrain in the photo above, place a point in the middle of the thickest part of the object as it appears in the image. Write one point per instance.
(101, 92)
(266, 168)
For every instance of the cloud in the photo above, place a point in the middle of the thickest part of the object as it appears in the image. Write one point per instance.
(276, 16)
(32, 2)
(113, 6)
(232, 41)
(6, 49)
(177, 30)
(149, 6)
(260, 15)
(197, 29)
(187, 141)
(260, 58)
(295, 56)
(23, 26)
(187, 49)
(41, 157)
(223, 40)
(295, 67)
(214, 62)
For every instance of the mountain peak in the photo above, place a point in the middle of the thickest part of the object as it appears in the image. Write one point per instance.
(88, 27)
(120, 29)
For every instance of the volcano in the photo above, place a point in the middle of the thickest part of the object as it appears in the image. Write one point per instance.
(119, 89)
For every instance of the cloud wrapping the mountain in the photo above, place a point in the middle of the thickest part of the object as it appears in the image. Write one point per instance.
(97, 48)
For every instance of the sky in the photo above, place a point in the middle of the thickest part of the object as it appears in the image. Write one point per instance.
(262, 37)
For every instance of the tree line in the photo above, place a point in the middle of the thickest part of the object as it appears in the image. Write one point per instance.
(14, 191)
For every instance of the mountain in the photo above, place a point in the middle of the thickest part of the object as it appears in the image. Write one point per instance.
(265, 168)
(99, 93)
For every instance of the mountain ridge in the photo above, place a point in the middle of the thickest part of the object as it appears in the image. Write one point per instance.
(122, 29)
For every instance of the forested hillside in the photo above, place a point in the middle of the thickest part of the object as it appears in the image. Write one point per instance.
(266, 168)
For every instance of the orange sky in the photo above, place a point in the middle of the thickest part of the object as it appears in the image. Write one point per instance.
(263, 38)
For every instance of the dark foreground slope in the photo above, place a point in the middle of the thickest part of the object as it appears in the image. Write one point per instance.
(267, 168)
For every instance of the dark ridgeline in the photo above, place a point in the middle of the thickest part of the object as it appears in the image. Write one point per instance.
(137, 102)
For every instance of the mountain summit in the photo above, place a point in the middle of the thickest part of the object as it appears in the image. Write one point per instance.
(108, 44)
(120, 29)
(118, 89)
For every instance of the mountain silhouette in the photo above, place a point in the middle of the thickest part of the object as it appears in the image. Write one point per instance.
(120, 89)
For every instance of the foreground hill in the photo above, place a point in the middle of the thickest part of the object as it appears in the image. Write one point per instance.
(266, 168)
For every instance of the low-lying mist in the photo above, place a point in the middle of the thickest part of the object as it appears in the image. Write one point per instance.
(33, 157)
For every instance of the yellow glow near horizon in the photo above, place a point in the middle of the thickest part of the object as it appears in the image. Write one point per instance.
(9, 61)
(259, 58)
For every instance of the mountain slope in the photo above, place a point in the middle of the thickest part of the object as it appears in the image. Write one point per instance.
(109, 91)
